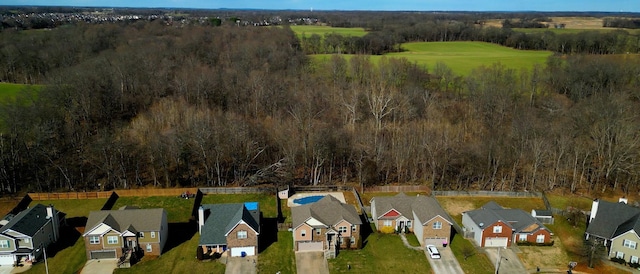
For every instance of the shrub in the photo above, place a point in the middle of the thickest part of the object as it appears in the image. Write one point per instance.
(634, 265)
(618, 260)
(388, 229)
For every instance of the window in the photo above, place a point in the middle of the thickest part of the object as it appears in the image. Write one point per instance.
(26, 240)
(141, 234)
(4, 244)
(303, 233)
(629, 244)
(497, 229)
(112, 240)
(318, 231)
(540, 238)
(149, 248)
(619, 255)
(353, 240)
(242, 234)
(153, 234)
(342, 229)
(94, 240)
(354, 228)
(437, 225)
(341, 240)
(409, 224)
(634, 260)
(387, 222)
(522, 237)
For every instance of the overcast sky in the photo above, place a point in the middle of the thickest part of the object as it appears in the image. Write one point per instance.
(410, 5)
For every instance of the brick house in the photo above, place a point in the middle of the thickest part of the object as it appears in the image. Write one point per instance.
(495, 226)
(421, 215)
(233, 227)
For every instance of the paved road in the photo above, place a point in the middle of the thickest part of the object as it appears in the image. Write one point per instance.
(244, 265)
(447, 264)
(102, 266)
(311, 263)
(509, 262)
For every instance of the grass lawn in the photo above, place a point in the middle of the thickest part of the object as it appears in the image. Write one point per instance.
(178, 209)
(461, 57)
(267, 203)
(279, 256)
(9, 90)
(478, 263)
(308, 30)
(456, 205)
(564, 201)
(383, 253)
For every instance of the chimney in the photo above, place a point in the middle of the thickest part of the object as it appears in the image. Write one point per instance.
(623, 200)
(55, 225)
(200, 219)
(594, 209)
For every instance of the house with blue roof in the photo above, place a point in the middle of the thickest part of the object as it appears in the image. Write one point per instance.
(229, 227)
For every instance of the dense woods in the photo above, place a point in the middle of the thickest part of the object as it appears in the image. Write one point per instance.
(128, 105)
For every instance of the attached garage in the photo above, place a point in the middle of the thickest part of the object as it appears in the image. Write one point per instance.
(248, 250)
(495, 242)
(7, 260)
(103, 254)
(310, 246)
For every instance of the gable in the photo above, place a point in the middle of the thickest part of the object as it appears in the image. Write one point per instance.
(438, 217)
(629, 235)
(100, 229)
(239, 223)
(314, 222)
(391, 214)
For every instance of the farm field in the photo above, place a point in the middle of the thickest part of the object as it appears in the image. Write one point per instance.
(462, 57)
(308, 30)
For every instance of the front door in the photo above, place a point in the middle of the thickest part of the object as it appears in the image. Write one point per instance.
(131, 243)
(401, 226)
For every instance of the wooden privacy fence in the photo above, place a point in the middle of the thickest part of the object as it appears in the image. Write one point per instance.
(70, 195)
(398, 189)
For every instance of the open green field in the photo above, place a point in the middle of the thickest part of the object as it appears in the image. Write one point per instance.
(308, 30)
(463, 57)
(8, 90)
(570, 31)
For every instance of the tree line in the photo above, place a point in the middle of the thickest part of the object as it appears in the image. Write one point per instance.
(150, 104)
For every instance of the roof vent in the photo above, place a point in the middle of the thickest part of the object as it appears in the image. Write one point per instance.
(481, 224)
(623, 200)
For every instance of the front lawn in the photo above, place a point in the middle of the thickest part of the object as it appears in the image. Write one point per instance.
(476, 262)
(383, 253)
(279, 256)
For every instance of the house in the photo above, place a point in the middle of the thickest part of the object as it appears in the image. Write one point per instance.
(234, 227)
(495, 226)
(617, 225)
(421, 215)
(326, 225)
(25, 235)
(111, 233)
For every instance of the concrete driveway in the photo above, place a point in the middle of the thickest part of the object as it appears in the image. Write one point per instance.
(509, 262)
(102, 266)
(242, 265)
(311, 262)
(447, 264)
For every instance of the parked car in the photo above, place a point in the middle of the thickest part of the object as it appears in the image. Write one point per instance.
(433, 252)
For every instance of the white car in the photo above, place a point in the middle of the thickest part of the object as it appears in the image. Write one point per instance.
(433, 252)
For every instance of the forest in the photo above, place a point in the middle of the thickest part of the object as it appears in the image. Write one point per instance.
(149, 104)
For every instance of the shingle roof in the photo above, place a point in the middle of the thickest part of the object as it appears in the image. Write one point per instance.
(121, 220)
(613, 219)
(401, 203)
(28, 221)
(517, 219)
(327, 210)
(224, 217)
(425, 208)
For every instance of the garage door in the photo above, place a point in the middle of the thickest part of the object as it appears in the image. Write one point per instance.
(6, 260)
(103, 254)
(495, 242)
(248, 250)
(310, 246)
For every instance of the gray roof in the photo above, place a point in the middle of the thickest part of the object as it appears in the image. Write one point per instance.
(28, 221)
(425, 207)
(543, 213)
(130, 219)
(613, 219)
(518, 219)
(327, 210)
(222, 218)
(401, 203)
